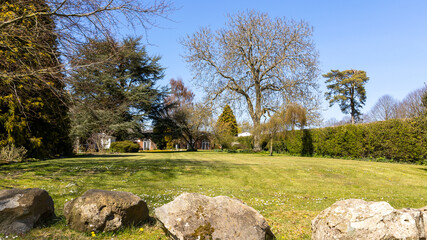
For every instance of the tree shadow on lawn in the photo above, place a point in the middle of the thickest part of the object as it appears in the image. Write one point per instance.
(112, 155)
(84, 166)
(423, 168)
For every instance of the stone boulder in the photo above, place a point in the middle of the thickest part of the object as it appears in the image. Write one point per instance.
(358, 219)
(195, 216)
(99, 210)
(23, 209)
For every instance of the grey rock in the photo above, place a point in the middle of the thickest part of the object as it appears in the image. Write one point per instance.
(195, 216)
(359, 219)
(23, 209)
(99, 210)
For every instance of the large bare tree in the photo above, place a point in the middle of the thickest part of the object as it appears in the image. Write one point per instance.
(412, 105)
(256, 61)
(384, 109)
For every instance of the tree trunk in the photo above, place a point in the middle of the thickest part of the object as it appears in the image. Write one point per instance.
(353, 110)
(257, 137)
(271, 147)
(257, 143)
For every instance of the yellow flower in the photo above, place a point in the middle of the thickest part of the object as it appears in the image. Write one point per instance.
(93, 234)
(141, 229)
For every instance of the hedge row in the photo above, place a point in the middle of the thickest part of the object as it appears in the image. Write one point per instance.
(396, 139)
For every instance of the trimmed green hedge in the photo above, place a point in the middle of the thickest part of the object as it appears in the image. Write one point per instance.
(124, 147)
(396, 139)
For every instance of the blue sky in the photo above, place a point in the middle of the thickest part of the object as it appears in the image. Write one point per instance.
(385, 38)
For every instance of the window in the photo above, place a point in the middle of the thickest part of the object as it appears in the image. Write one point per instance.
(146, 144)
(205, 144)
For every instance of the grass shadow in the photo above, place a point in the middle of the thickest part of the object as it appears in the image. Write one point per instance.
(51, 222)
(423, 168)
(117, 166)
(112, 155)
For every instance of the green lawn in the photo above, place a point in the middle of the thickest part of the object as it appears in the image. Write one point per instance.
(288, 191)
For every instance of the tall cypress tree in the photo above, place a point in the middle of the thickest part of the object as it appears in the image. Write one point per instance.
(227, 122)
(33, 111)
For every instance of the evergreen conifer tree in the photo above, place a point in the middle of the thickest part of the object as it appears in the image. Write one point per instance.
(347, 88)
(114, 96)
(227, 122)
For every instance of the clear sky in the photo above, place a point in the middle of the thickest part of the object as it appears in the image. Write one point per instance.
(385, 38)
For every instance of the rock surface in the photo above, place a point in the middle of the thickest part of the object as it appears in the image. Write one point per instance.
(358, 219)
(195, 216)
(23, 209)
(99, 210)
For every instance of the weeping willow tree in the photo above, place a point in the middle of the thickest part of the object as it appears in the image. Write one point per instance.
(293, 115)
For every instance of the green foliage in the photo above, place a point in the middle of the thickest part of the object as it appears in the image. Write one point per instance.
(227, 150)
(347, 88)
(124, 147)
(33, 111)
(115, 95)
(245, 151)
(225, 129)
(227, 122)
(10, 153)
(163, 137)
(246, 142)
(396, 139)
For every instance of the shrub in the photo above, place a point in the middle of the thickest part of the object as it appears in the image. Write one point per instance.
(124, 147)
(245, 142)
(245, 151)
(230, 150)
(10, 153)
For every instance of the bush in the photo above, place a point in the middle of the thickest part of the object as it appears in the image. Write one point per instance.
(245, 151)
(10, 153)
(230, 150)
(124, 147)
(245, 142)
(402, 140)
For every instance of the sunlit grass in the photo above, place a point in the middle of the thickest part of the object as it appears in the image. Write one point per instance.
(288, 191)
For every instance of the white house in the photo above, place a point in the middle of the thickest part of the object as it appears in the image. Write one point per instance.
(244, 134)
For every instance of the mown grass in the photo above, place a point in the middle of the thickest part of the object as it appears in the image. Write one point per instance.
(288, 191)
